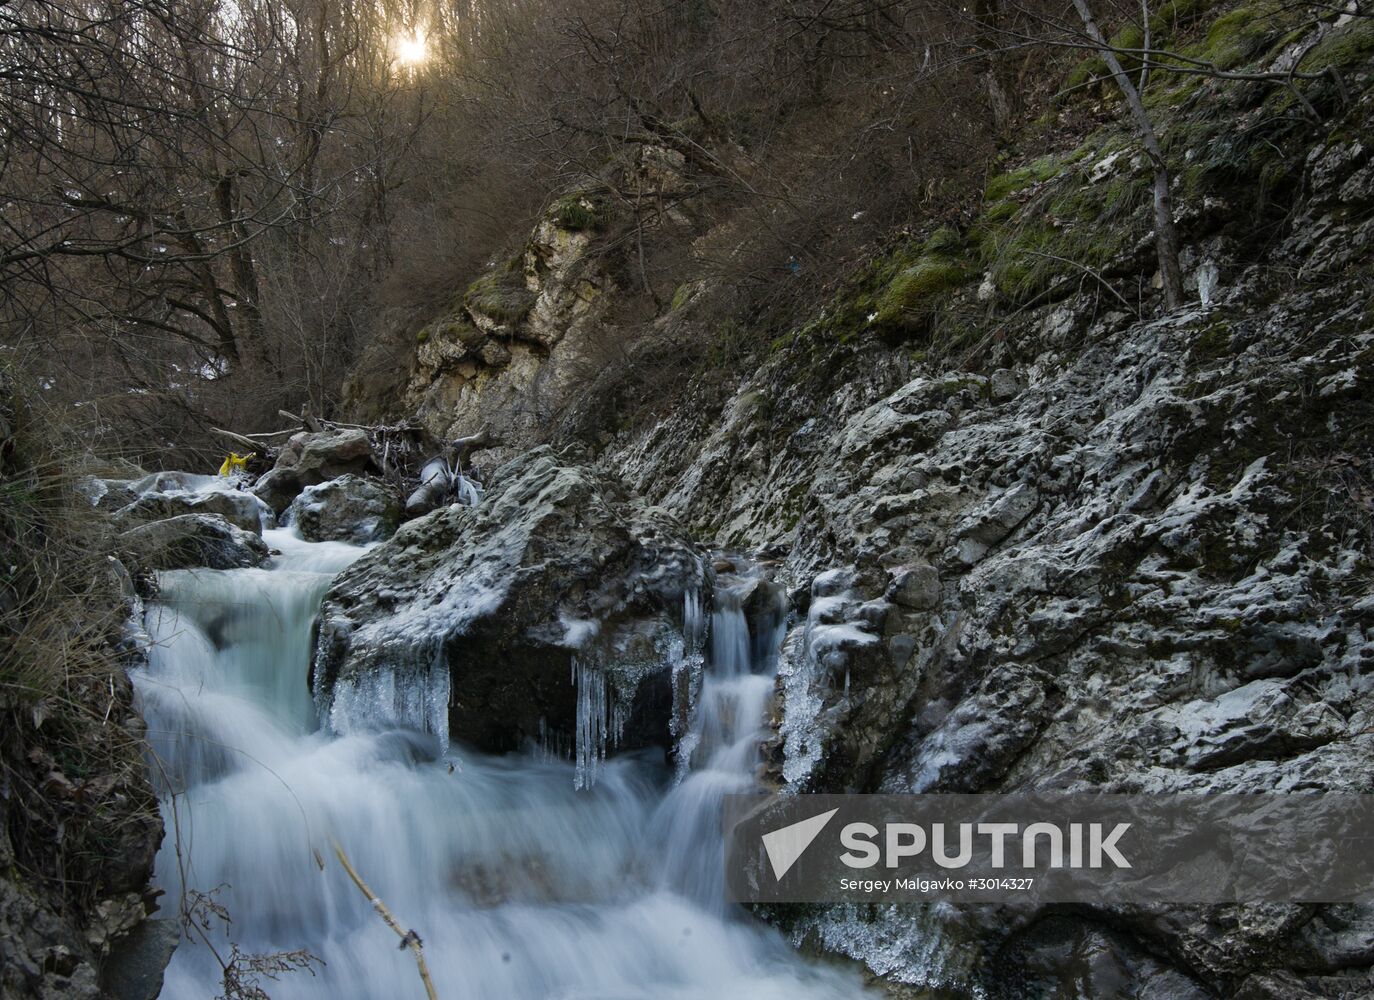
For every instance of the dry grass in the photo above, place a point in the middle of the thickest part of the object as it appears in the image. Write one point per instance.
(70, 761)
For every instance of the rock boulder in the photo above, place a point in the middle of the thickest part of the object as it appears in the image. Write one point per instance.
(243, 510)
(193, 540)
(350, 508)
(490, 623)
(311, 458)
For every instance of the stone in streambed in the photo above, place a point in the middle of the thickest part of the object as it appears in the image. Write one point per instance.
(556, 563)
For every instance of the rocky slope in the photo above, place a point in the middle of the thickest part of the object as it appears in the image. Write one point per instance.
(1040, 534)
(1140, 564)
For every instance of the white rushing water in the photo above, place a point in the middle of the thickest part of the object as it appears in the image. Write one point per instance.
(520, 885)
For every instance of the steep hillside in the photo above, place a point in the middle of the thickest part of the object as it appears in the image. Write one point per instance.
(1080, 542)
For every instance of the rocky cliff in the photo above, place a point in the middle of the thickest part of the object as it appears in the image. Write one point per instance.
(1039, 532)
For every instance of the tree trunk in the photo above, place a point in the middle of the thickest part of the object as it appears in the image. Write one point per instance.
(1166, 238)
(1166, 235)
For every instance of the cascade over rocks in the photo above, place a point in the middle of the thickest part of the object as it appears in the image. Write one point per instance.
(1039, 534)
(310, 458)
(557, 571)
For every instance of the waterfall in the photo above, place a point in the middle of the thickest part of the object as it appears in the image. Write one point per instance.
(520, 885)
(727, 726)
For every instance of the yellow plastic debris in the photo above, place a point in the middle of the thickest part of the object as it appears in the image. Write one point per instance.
(234, 463)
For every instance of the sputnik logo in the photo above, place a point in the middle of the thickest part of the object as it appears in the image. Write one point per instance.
(785, 846)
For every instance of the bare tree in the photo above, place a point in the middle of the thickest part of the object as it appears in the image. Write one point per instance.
(1166, 234)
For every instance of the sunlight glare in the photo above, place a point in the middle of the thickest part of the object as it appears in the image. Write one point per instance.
(410, 51)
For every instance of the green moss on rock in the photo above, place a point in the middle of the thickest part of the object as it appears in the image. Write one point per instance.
(501, 294)
(1177, 14)
(578, 212)
(1341, 47)
(944, 240)
(1241, 35)
(910, 294)
(1070, 226)
(1212, 343)
(1005, 185)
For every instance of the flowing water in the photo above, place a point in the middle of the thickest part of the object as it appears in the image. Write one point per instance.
(520, 885)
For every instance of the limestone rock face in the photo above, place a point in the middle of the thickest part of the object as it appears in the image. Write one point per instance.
(532, 331)
(1140, 564)
(350, 508)
(310, 458)
(556, 577)
(522, 339)
(193, 540)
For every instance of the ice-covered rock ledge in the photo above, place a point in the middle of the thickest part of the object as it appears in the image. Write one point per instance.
(550, 612)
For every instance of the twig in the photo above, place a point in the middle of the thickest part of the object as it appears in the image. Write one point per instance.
(1090, 273)
(408, 938)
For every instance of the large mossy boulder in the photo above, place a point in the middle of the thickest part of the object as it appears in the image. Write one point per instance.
(310, 458)
(556, 587)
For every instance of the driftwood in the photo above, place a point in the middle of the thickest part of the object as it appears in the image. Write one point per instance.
(239, 439)
(292, 416)
(407, 437)
(427, 495)
(462, 447)
(258, 441)
(434, 487)
(409, 939)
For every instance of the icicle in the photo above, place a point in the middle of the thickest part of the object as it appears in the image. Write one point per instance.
(469, 491)
(687, 659)
(593, 729)
(693, 622)
(416, 697)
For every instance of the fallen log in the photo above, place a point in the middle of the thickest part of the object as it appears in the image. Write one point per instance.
(440, 474)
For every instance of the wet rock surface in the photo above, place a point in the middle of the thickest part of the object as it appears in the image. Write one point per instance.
(310, 458)
(556, 565)
(350, 508)
(188, 541)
